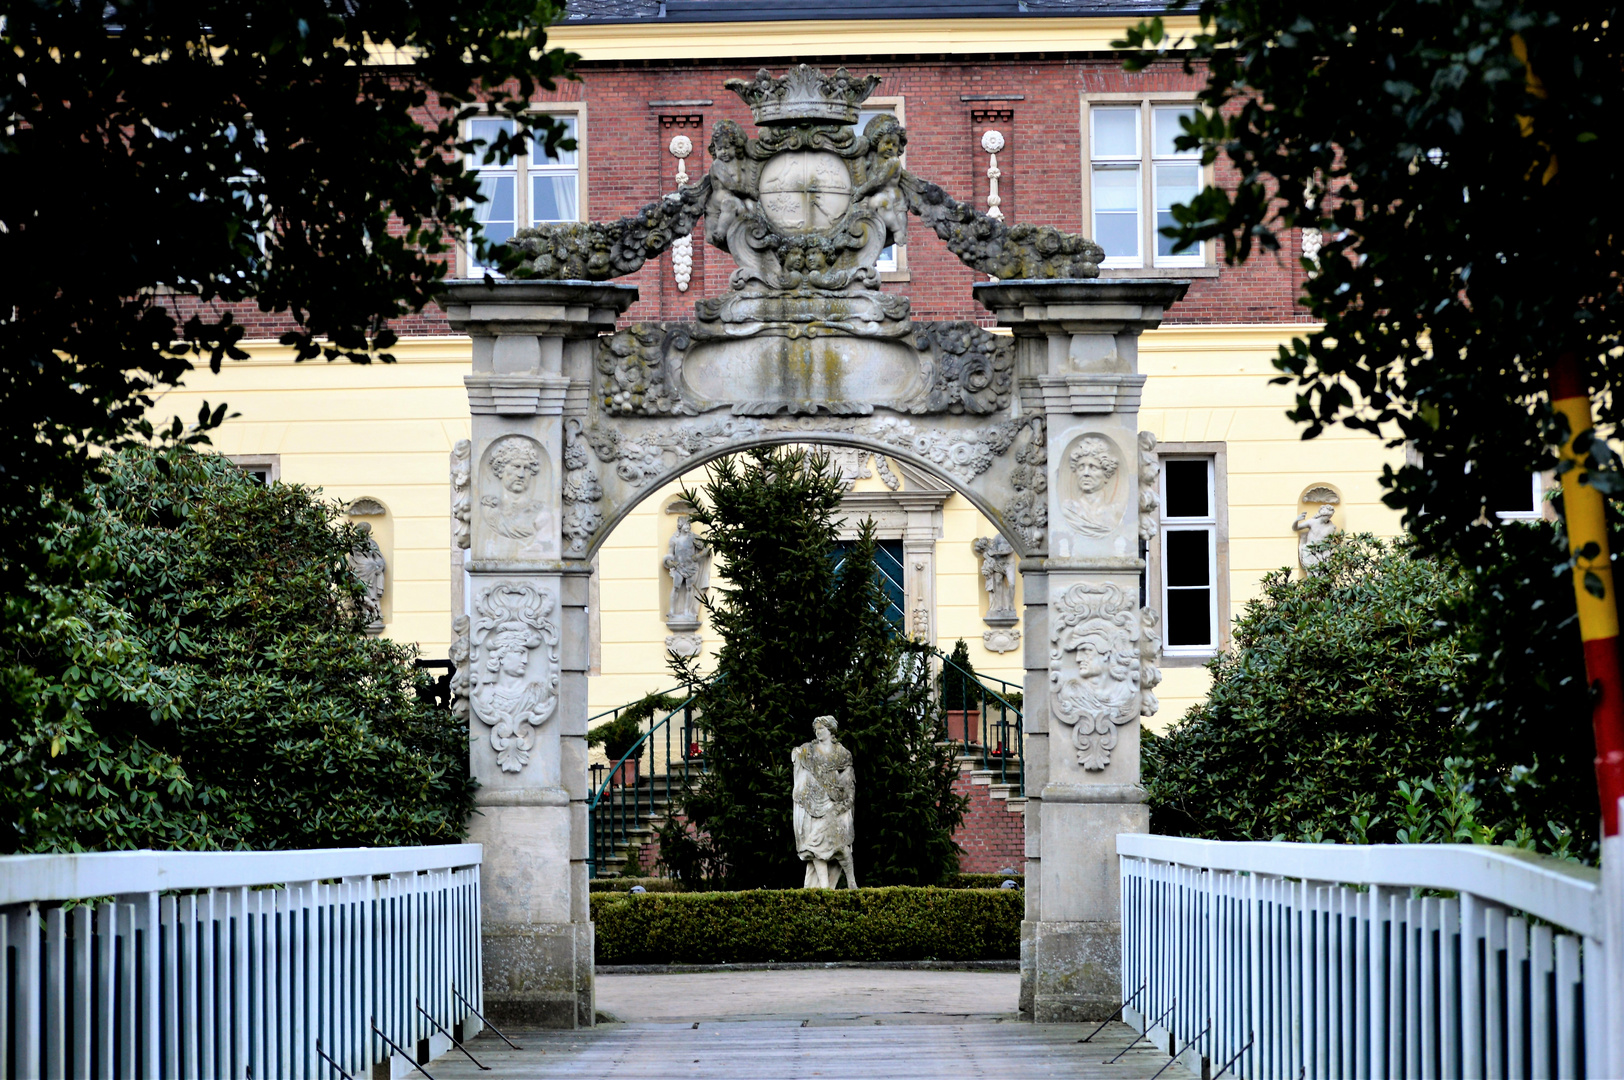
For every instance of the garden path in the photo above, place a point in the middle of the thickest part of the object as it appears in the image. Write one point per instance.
(845, 1024)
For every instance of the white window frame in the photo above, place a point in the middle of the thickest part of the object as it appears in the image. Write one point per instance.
(1537, 480)
(522, 170)
(896, 267)
(269, 464)
(1199, 262)
(1217, 525)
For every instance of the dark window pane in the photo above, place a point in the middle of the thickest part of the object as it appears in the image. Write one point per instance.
(1186, 483)
(1189, 618)
(1511, 492)
(1187, 557)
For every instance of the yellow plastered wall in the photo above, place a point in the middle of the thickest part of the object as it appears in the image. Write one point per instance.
(1211, 384)
(386, 430)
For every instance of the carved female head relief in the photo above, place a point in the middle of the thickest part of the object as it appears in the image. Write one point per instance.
(1094, 501)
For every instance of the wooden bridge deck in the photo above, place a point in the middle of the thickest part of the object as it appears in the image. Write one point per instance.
(851, 1024)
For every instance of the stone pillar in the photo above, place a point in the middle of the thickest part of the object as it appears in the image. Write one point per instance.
(1091, 653)
(523, 648)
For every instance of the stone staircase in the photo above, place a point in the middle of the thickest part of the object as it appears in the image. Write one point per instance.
(1002, 785)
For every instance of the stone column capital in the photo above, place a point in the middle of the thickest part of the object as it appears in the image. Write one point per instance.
(1038, 307)
(567, 309)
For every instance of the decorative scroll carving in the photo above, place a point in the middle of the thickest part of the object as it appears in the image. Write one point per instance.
(513, 667)
(972, 370)
(1103, 649)
(1001, 639)
(1007, 252)
(598, 251)
(366, 506)
(1150, 476)
(686, 644)
(641, 368)
(462, 499)
(460, 669)
(582, 491)
(1027, 511)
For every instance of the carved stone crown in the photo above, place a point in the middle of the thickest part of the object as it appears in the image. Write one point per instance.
(804, 93)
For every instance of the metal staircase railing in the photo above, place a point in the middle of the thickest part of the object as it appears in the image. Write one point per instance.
(622, 805)
(985, 723)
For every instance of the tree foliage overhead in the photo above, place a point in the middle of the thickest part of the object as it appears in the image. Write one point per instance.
(1386, 697)
(299, 155)
(208, 683)
(1460, 158)
(802, 638)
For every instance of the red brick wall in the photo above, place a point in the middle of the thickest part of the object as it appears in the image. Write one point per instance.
(628, 166)
(992, 837)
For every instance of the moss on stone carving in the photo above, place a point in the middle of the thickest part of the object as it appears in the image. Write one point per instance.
(600, 251)
(1007, 252)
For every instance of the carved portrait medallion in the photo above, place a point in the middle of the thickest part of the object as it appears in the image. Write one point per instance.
(805, 190)
(514, 485)
(1093, 492)
(1102, 655)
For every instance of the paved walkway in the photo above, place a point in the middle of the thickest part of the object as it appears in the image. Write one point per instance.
(845, 1024)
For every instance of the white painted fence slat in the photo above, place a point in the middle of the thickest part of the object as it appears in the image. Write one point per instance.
(233, 964)
(1368, 971)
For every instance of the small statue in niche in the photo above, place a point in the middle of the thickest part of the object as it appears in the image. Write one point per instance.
(825, 792)
(689, 564)
(998, 574)
(1095, 466)
(367, 564)
(1310, 533)
(516, 513)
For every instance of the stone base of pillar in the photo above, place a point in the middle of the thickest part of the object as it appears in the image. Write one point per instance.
(539, 976)
(1074, 972)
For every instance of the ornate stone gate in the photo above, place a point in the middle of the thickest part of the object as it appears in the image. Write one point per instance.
(574, 422)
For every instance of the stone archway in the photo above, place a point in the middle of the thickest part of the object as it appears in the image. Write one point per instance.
(574, 421)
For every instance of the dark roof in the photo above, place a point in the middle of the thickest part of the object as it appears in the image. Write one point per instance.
(605, 11)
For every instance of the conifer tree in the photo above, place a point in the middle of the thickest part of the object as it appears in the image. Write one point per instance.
(801, 638)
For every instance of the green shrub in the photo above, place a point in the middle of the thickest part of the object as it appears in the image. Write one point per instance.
(896, 923)
(801, 638)
(1386, 697)
(957, 682)
(211, 685)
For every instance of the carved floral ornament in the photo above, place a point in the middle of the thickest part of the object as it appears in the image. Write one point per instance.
(506, 661)
(1103, 656)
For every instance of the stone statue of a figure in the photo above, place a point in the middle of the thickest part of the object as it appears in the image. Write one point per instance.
(689, 564)
(367, 563)
(1095, 466)
(998, 574)
(1311, 532)
(825, 790)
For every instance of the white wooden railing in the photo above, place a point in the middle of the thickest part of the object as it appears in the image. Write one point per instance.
(1341, 961)
(236, 964)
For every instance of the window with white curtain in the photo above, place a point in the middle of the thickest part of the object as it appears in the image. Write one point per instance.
(527, 190)
(1135, 177)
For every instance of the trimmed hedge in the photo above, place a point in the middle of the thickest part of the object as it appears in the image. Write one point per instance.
(900, 922)
(670, 885)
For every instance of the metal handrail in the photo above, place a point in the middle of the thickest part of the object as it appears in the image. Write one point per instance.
(621, 820)
(999, 743)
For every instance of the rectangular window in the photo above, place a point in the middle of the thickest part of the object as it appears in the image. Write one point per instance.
(527, 190)
(1188, 560)
(1133, 164)
(892, 260)
(1520, 499)
(266, 468)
